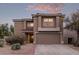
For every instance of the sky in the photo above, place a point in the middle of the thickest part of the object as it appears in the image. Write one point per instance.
(10, 11)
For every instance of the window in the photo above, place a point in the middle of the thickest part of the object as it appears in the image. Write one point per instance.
(48, 22)
(29, 24)
(48, 19)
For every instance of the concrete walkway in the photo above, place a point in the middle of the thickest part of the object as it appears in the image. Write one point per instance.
(55, 50)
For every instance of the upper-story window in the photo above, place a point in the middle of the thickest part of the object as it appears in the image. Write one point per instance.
(48, 22)
(30, 24)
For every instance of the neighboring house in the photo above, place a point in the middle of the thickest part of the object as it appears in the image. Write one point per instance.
(41, 29)
(70, 36)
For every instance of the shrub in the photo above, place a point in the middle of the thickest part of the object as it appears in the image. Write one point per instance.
(15, 39)
(1, 43)
(1, 36)
(16, 46)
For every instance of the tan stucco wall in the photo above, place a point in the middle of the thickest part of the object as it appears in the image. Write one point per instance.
(48, 38)
(18, 27)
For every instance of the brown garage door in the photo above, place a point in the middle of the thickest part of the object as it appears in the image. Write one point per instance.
(48, 38)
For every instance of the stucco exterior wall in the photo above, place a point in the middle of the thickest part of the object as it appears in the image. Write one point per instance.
(18, 27)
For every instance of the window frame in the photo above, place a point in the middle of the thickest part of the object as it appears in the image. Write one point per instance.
(29, 24)
(48, 26)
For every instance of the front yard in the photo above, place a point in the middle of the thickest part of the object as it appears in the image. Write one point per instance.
(31, 49)
(27, 49)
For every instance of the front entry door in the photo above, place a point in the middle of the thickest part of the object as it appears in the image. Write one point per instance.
(30, 38)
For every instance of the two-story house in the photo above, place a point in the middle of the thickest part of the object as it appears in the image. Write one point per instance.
(41, 29)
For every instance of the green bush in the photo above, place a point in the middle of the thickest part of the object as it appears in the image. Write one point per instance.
(1, 36)
(1, 43)
(16, 46)
(15, 39)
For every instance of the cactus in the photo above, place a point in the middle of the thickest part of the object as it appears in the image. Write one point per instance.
(16, 46)
(1, 43)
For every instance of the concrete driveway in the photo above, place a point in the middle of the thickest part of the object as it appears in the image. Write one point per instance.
(56, 50)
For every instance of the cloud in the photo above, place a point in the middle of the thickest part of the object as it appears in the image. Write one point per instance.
(51, 8)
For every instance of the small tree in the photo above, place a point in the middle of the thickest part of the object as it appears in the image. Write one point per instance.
(11, 29)
(74, 19)
(1, 32)
(67, 21)
(4, 30)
